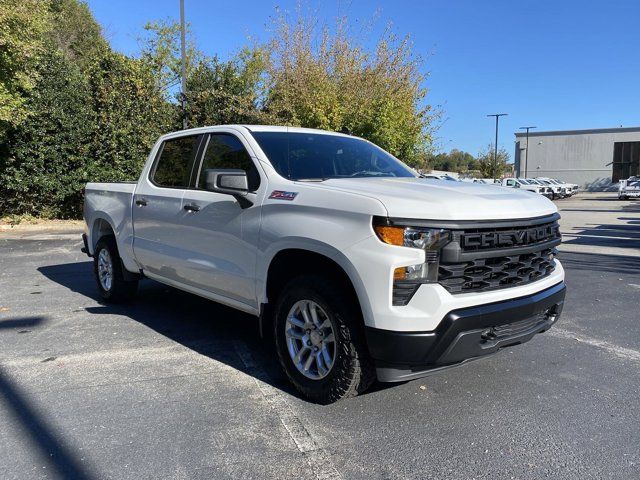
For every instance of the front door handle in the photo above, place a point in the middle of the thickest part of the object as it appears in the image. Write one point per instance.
(192, 207)
(141, 202)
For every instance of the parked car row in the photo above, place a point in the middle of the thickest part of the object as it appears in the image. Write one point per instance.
(549, 187)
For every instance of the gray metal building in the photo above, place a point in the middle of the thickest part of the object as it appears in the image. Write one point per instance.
(594, 159)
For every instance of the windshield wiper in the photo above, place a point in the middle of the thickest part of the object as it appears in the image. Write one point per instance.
(368, 173)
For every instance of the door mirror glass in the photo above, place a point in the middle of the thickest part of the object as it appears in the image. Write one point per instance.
(226, 180)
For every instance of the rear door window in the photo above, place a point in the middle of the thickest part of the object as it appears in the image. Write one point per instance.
(173, 167)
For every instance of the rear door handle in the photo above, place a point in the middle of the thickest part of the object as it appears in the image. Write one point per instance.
(192, 207)
(141, 202)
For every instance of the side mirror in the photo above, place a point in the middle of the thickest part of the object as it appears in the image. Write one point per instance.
(229, 181)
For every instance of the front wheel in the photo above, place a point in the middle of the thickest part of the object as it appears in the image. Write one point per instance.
(108, 272)
(320, 340)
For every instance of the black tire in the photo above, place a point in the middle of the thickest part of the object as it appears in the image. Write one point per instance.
(352, 371)
(119, 290)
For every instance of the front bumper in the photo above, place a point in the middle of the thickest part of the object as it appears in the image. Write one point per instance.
(464, 334)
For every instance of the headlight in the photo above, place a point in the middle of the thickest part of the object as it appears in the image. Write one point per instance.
(431, 240)
(416, 237)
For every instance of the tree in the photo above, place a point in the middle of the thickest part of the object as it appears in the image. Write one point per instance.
(22, 27)
(88, 113)
(489, 165)
(338, 84)
(160, 51)
(46, 168)
(131, 113)
(75, 33)
(454, 161)
(228, 92)
(73, 110)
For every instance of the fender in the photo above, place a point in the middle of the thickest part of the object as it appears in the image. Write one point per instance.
(122, 232)
(313, 246)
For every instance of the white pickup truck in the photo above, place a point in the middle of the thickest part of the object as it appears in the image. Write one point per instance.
(629, 188)
(566, 189)
(357, 268)
(526, 184)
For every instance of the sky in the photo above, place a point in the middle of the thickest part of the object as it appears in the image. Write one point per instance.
(553, 64)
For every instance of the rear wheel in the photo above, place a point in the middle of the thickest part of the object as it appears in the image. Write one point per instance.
(109, 273)
(320, 340)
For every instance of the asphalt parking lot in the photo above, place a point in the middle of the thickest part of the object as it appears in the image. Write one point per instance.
(173, 386)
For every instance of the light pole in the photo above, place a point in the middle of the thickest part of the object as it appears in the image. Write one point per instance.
(495, 153)
(526, 155)
(183, 49)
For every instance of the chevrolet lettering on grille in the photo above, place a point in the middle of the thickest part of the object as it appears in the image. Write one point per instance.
(512, 238)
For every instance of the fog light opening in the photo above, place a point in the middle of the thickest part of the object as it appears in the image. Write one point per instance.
(552, 314)
(488, 334)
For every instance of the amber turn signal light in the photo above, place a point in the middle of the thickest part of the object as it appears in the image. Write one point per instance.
(400, 273)
(390, 235)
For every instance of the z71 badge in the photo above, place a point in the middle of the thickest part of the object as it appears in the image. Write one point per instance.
(280, 195)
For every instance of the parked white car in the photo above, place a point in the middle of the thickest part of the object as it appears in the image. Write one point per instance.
(486, 181)
(575, 188)
(355, 266)
(569, 188)
(629, 188)
(557, 190)
(525, 184)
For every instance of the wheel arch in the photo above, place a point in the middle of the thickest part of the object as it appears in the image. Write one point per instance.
(100, 227)
(292, 261)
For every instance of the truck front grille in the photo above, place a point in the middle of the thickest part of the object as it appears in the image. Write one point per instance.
(487, 255)
(505, 254)
(492, 273)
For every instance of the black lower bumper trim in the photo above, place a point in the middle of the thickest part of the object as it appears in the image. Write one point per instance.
(464, 334)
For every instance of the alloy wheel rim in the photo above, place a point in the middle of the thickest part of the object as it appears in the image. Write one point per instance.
(310, 339)
(105, 269)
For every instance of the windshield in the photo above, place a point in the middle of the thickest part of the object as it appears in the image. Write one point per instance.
(316, 156)
(523, 181)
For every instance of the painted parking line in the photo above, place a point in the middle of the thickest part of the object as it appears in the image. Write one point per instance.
(612, 348)
(318, 458)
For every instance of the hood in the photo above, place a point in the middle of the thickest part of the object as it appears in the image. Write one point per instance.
(429, 199)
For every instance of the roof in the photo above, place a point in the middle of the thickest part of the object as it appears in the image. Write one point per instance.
(282, 128)
(578, 132)
(255, 128)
